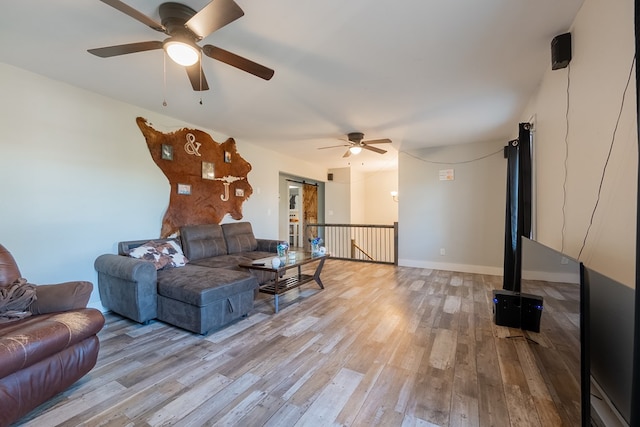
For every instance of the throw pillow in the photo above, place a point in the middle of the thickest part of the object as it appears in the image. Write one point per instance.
(162, 254)
(174, 251)
(149, 252)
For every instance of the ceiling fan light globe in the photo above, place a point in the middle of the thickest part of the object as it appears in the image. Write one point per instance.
(182, 53)
(355, 149)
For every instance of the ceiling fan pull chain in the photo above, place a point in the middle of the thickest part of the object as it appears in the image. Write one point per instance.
(200, 63)
(164, 80)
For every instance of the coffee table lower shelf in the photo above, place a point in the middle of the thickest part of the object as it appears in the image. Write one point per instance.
(285, 284)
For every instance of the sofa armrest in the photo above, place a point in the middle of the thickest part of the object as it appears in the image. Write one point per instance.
(61, 297)
(267, 245)
(128, 286)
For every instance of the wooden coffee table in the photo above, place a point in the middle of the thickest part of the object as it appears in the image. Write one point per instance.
(281, 283)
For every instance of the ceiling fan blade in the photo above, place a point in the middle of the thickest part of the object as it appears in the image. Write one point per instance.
(139, 16)
(214, 16)
(333, 146)
(237, 61)
(376, 149)
(378, 141)
(347, 154)
(123, 49)
(196, 76)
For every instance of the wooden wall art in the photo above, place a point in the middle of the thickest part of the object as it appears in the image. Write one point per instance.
(208, 179)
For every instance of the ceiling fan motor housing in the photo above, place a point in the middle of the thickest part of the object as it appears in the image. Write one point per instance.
(174, 16)
(355, 137)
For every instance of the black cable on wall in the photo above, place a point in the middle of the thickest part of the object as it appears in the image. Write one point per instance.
(635, 383)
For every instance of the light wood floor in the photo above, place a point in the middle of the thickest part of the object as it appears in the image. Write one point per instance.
(380, 345)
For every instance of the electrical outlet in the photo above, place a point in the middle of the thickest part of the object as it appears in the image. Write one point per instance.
(442, 251)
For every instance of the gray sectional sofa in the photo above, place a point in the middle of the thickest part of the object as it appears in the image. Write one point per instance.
(209, 292)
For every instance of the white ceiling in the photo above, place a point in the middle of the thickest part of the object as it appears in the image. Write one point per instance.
(421, 72)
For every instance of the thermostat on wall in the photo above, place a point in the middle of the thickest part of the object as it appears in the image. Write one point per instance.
(446, 175)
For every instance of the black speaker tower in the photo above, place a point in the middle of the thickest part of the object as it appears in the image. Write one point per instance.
(511, 307)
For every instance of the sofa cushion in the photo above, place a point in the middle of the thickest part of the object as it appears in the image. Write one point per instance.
(268, 245)
(35, 338)
(257, 255)
(239, 237)
(202, 241)
(62, 297)
(224, 261)
(233, 262)
(24, 390)
(200, 286)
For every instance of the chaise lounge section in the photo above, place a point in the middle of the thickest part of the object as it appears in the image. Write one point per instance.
(208, 293)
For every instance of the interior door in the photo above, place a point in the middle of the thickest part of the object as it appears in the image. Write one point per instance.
(310, 212)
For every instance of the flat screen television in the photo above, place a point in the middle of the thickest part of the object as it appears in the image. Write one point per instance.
(562, 346)
(611, 319)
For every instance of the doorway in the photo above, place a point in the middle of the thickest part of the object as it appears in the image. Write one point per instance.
(295, 214)
(301, 203)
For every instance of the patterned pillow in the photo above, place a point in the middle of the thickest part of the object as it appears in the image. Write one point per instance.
(174, 251)
(149, 252)
(162, 254)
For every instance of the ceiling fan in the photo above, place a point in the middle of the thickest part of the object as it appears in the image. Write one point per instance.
(185, 27)
(356, 144)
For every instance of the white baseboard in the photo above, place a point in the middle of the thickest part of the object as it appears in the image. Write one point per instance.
(463, 268)
(557, 277)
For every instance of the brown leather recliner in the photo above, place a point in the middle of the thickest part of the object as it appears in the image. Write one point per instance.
(43, 354)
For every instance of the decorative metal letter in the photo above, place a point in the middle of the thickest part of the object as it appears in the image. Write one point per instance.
(224, 197)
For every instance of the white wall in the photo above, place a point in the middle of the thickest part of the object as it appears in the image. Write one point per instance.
(77, 177)
(358, 197)
(465, 217)
(338, 196)
(379, 205)
(361, 197)
(603, 50)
